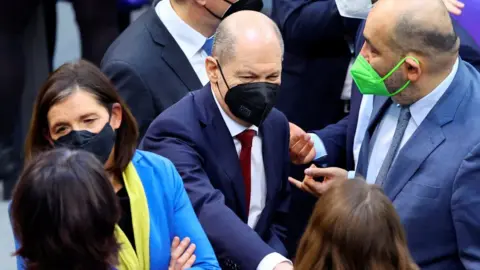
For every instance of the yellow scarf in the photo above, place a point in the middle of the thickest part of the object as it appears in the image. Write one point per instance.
(129, 260)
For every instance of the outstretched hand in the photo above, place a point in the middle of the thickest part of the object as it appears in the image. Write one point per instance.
(331, 176)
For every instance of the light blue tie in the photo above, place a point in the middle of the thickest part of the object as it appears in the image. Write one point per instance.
(402, 124)
(207, 47)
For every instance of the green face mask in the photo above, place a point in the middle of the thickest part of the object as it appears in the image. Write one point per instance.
(368, 80)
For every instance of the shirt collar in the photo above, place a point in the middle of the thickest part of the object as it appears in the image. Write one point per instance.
(187, 38)
(234, 127)
(420, 109)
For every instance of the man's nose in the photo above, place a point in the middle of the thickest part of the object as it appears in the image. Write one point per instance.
(364, 53)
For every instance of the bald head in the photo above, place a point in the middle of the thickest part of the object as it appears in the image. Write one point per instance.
(245, 29)
(419, 26)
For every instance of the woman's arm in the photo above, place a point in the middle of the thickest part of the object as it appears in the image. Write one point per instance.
(187, 225)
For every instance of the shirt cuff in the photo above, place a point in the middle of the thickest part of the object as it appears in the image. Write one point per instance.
(270, 261)
(351, 175)
(320, 150)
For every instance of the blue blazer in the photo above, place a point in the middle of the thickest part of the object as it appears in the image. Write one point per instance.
(338, 138)
(434, 182)
(171, 213)
(193, 135)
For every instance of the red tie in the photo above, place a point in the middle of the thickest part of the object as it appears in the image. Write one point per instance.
(245, 139)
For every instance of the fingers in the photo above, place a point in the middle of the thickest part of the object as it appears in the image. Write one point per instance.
(177, 252)
(302, 186)
(316, 188)
(300, 148)
(190, 262)
(175, 243)
(325, 172)
(295, 182)
(186, 256)
(453, 6)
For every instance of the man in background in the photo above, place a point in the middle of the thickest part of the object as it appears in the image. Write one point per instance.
(161, 56)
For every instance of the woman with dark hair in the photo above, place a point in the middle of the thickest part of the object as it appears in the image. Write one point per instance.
(64, 212)
(354, 226)
(79, 108)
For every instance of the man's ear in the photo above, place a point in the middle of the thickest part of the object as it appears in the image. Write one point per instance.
(413, 69)
(211, 65)
(116, 118)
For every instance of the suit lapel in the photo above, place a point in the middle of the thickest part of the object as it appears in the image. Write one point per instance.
(423, 142)
(269, 147)
(175, 58)
(380, 105)
(428, 136)
(171, 53)
(221, 142)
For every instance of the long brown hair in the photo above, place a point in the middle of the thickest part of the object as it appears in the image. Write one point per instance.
(354, 226)
(64, 82)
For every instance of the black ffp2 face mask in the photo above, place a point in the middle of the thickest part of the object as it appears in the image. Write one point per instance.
(255, 5)
(251, 102)
(100, 144)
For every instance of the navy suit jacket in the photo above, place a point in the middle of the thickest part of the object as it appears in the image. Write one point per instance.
(316, 59)
(434, 182)
(194, 136)
(149, 69)
(338, 138)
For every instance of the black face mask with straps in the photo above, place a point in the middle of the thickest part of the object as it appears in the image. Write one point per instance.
(251, 102)
(255, 5)
(100, 144)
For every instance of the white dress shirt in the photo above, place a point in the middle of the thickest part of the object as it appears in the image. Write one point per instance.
(386, 128)
(419, 111)
(258, 194)
(188, 39)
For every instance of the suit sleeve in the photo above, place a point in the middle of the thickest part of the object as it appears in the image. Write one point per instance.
(465, 207)
(311, 23)
(230, 237)
(134, 92)
(334, 139)
(279, 225)
(187, 225)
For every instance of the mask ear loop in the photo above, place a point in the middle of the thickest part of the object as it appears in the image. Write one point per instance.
(395, 69)
(223, 77)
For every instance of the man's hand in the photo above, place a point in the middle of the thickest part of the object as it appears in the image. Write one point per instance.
(283, 266)
(301, 146)
(331, 176)
(454, 6)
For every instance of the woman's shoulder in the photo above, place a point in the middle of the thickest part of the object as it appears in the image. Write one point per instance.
(164, 172)
(150, 159)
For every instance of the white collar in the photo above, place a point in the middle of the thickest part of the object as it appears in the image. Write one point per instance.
(420, 109)
(187, 38)
(234, 127)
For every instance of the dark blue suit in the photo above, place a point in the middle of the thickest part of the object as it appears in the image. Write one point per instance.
(194, 136)
(149, 69)
(433, 184)
(338, 138)
(316, 59)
